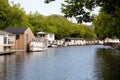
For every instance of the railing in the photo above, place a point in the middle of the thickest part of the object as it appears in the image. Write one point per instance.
(10, 42)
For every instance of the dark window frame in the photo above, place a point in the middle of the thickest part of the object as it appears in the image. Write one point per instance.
(17, 37)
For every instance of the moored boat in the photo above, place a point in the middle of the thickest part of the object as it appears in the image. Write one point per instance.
(38, 44)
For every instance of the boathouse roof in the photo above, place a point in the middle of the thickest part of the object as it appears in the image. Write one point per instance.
(16, 30)
(70, 38)
(4, 32)
(44, 33)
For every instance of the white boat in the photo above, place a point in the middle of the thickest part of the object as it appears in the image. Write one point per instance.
(38, 44)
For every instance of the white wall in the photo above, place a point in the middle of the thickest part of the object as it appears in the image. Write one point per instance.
(76, 42)
(1, 39)
(1, 43)
(51, 37)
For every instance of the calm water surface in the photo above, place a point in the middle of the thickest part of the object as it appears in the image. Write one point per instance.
(94, 62)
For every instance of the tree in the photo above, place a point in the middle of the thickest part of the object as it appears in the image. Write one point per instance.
(36, 21)
(80, 9)
(12, 15)
(106, 25)
(58, 25)
(18, 16)
(4, 14)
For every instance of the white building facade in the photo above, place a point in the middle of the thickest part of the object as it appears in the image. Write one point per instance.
(75, 41)
(108, 40)
(7, 40)
(46, 35)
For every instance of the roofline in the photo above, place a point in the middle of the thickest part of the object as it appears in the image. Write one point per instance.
(71, 38)
(44, 33)
(18, 31)
(5, 32)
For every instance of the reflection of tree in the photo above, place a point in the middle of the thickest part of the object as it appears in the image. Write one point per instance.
(3, 66)
(12, 66)
(108, 64)
(7, 67)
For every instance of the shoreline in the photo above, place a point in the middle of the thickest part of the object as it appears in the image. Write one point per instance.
(116, 46)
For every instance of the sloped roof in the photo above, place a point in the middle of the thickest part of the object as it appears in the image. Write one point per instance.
(16, 30)
(71, 38)
(44, 33)
(4, 32)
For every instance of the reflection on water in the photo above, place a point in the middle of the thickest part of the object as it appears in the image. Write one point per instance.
(64, 63)
(108, 64)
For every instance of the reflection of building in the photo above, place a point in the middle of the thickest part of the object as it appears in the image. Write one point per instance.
(23, 36)
(11, 66)
(7, 63)
(6, 41)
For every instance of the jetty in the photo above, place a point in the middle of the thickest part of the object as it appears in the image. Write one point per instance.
(7, 52)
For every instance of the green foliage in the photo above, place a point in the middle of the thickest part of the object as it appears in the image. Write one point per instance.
(107, 25)
(13, 15)
(76, 9)
(37, 22)
(80, 9)
(18, 16)
(60, 26)
(4, 14)
(47, 1)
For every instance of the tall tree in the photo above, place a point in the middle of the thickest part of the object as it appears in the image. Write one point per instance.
(37, 21)
(12, 15)
(18, 16)
(59, 25)
(106, 25)
(80, 9)
(4, 14)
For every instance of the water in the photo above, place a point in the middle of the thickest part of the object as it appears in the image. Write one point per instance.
(93, 62)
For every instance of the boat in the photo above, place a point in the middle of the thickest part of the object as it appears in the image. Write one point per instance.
(38, 44)
(53, 45)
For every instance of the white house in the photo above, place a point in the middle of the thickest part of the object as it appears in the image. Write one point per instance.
(7, 40)
(75, 41)
(46, 35)
(108, 40)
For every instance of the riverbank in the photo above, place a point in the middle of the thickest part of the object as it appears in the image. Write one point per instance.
(116, 46)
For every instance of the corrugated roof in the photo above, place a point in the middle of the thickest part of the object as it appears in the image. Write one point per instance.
(4, 32)
(16, 30)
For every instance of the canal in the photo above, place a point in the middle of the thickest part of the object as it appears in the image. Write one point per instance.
(92, 62)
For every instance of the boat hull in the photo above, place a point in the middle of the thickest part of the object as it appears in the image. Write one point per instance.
(38, 46)
(38, 49)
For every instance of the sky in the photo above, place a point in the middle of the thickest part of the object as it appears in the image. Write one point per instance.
(45, 9)
(40, 6)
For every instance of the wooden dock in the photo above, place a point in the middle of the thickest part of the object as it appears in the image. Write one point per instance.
(5, 53)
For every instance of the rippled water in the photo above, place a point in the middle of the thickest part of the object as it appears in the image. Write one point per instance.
(91, 62)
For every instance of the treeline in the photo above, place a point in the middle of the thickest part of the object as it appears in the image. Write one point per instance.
(60, 26)
(14, 16)
(107, 24)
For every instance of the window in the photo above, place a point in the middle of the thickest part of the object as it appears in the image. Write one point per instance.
(50, 35)
(5, 40)
(26, 38)
(17, 37)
